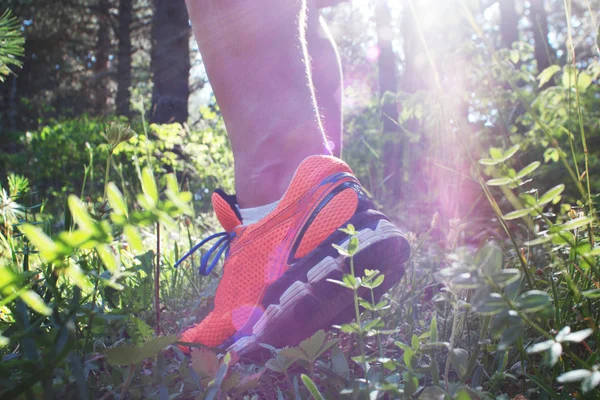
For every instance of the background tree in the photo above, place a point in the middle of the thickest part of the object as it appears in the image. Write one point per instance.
(170, 61)
(124, 57)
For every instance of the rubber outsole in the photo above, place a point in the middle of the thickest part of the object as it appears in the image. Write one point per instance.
(313, 303)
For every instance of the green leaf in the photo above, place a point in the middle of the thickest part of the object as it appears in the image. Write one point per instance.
(540, 240)
(517, 214)
(35, 302)
(108, 258)
(414, 342)
(528, 169)
(366, 304)
(534, 300)
(341, 250)
(551, 154)
(205, 363)
(496, 153)
(312, 345)
(409, 357)
(551, 194)
(134, 238)
(489, 260)
(352, 245)
(79, 278)
(584, 80)
(491, 305)
(377, 282)
(116, 200)
(80, 214)
(506, 277)
(130, 354)
(433, 330)
(459, 358)
(312, 388)
(339, 363)
(488, 161)
(572, 224)
(510, 152)
(49, 250)
(294, 353)
(349, 230)
(547, 74)
(351, 281)
(466, 393)
(214, 386)
(149, 186)
(343, 284)
(432, 393)
(592, 294)
(499, 182)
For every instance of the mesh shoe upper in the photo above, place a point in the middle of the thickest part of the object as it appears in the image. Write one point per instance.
(259, 253)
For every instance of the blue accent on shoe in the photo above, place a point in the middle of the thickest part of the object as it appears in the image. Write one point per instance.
(336, 177)
(220, 247)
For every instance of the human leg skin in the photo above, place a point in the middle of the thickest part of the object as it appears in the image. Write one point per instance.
(256, 60)
(326, 69)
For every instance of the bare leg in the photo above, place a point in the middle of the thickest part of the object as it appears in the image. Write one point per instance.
(256, 59)
(327, 77)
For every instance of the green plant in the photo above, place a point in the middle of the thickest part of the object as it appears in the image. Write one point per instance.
(11, 44)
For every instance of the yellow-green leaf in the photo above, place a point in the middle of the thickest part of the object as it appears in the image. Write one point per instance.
(547, 74)
(134, 238)
(49, 250)
(108, 258)
(499, 182)
(149, 185)
(517, 214)
(584, 80)
(116, 200)
(528, 169)
(35, 302)
(76, 274)
(551, 194)
(80, 214)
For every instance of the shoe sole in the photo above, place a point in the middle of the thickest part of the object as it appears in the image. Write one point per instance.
(314, 303)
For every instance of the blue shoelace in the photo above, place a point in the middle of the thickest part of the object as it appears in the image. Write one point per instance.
(220, 247)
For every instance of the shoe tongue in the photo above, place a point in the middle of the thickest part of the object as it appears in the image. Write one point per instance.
(226, 210)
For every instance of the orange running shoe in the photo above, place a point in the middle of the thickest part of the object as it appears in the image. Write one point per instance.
(275, 287)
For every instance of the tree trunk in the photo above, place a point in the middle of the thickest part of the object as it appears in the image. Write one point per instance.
(509, 21)
(539, 22)
(102, 51)
(388, 82)
(124, 55)
(170, 62)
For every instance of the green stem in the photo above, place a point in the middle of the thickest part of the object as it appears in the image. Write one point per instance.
(378, 334)
(108, 158)
(450, 347)
(484, 328)
(360, 330)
